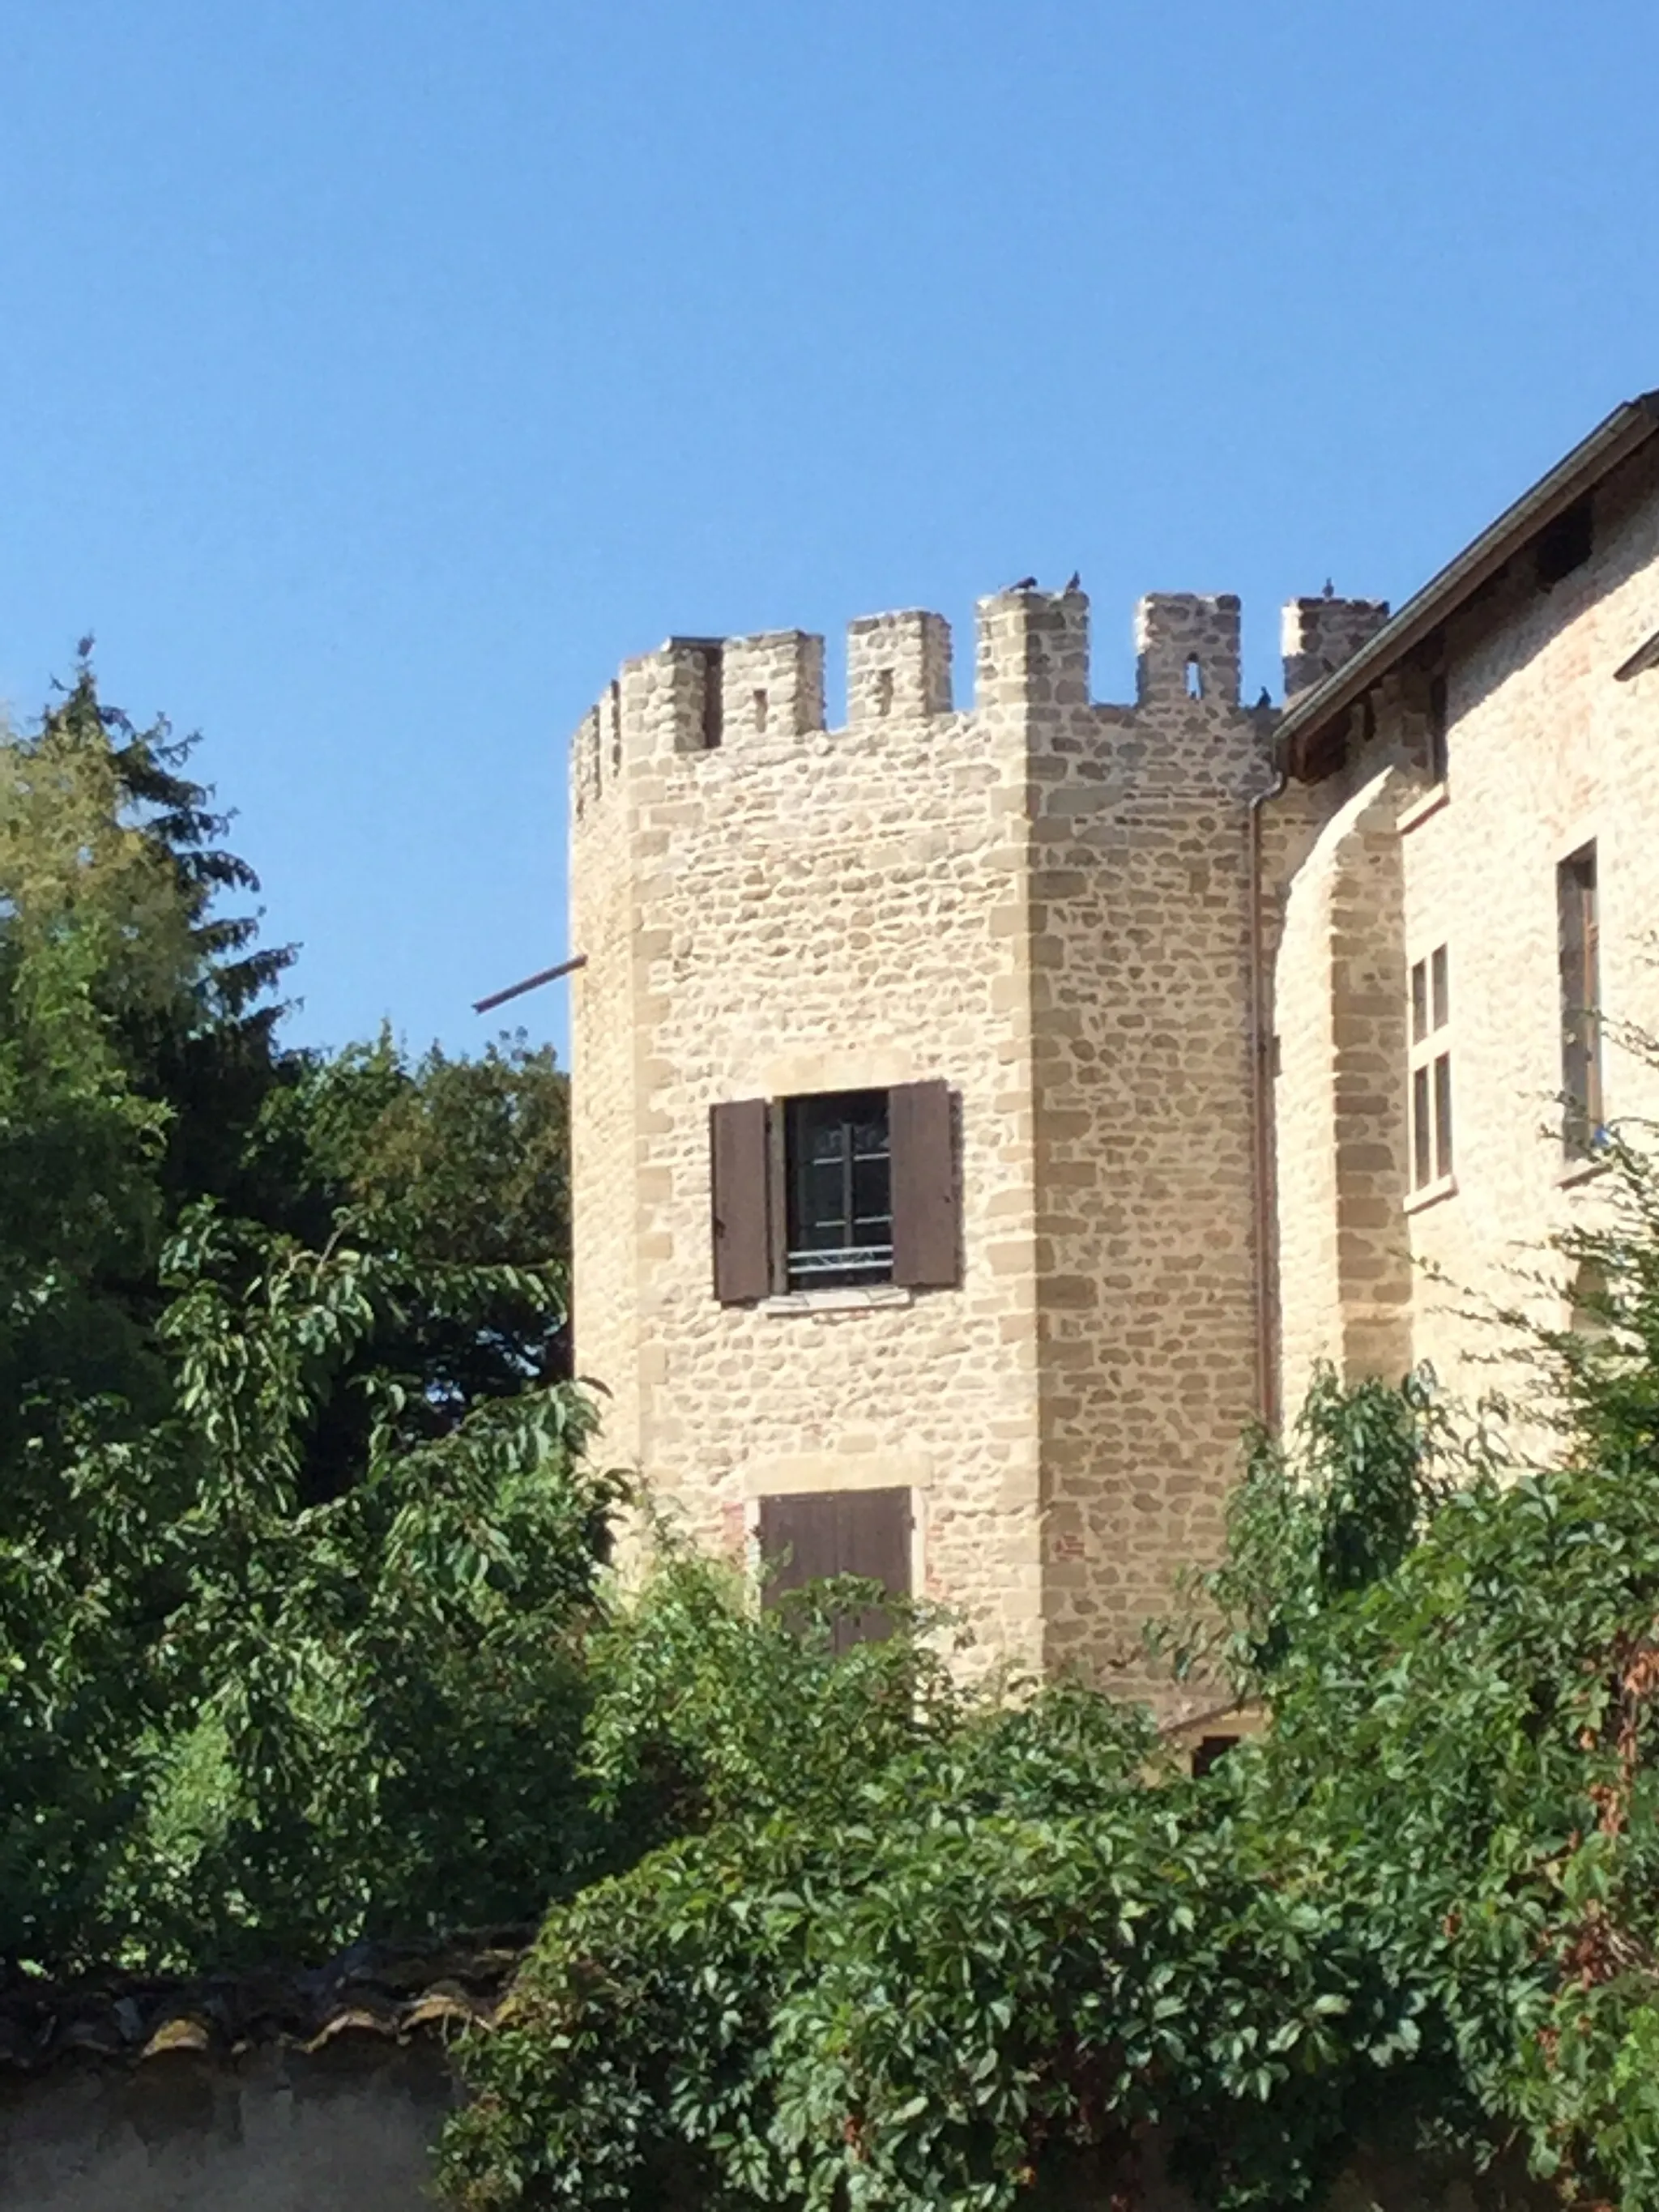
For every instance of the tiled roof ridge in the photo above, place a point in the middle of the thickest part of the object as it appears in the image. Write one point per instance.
(390, 1992)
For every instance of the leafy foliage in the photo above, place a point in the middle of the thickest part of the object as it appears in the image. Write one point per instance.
(1320, 1519)
(441, 1163)
(299, 1550)
(1422, 1909)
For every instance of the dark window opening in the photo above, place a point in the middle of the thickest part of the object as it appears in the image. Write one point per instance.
(1208, 1753)
(713, 697)
(760, 712)
(1437, 729)
(838, 1169)
(884, 692)
(1579, 937)
(1564, 545)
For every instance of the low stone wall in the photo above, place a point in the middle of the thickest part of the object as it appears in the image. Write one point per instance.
(348, 2129)
(316, 2089)
(325, 2090)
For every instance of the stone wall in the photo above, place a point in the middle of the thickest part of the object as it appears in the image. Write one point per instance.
(1547, 750)
(1345, 1284)
(796, 910)
(1042, 902)
(346, 2129)
(1047, 904)
(349, 2130)
(1141, 1038)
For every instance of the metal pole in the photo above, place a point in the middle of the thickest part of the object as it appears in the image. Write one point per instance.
(529, 983)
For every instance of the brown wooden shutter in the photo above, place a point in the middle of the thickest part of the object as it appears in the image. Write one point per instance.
(927, 1231)
(739, 1183)
(804, 1529)
(840, 1532)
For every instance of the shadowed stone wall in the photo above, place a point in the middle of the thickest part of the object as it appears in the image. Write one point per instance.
(281, 2132)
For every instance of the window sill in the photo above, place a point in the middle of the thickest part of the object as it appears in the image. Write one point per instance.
(852, 1297)
(1577, 1171)
(1431, 1193)
(1432, 801)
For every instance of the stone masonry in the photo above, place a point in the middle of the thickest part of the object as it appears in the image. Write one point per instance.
(1548, 752)
(1170, 990)
(769, 908)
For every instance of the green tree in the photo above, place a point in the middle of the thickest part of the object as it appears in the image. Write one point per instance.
(440, 1160)
(1420, 1911)
(298, 1550)
(384, 1690)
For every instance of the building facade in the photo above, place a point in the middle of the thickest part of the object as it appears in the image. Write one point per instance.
(983, 1113)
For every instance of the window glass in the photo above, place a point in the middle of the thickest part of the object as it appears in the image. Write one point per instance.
(1430, 1071)
(1579, 938)
(839, 1173)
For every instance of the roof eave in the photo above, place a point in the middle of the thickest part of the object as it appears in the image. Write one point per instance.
(1611, 442)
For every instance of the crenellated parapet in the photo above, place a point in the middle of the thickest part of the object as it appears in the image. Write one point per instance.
(702, 695)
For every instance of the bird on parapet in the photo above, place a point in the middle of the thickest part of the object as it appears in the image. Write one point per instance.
(1074, 581)
(1330, 589)
(1266, 700)
(1025, 584)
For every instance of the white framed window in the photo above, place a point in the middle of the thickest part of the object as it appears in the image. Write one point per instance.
(1433, 1159)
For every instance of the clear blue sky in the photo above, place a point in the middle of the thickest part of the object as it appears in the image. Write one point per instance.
(378, 373)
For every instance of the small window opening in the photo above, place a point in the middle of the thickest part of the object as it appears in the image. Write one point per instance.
(1209, 1752)
(1438, 727)
(884, 692)
(713, 698)
(1579, 937)
(839, 1189)
(1565, 544)
(760, 712)
(1195, 677)
(1430, 1071)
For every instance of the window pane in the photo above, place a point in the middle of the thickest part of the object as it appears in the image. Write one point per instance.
(1419, 1001)
(839, 1188)
(872, 1204)
(1581, 991)
(1442, 1115)
(823, 1204)
(826, 1143)
(1422, 1157)
(1442, 990)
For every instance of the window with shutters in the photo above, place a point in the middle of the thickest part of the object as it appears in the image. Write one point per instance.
(1430, 1073)
(835, 1191)
(806, 1538)
(1579, 940)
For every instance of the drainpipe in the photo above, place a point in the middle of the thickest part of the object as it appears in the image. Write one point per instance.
(1261, 1130)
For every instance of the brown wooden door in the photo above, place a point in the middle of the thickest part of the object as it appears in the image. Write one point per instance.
(840, 1532)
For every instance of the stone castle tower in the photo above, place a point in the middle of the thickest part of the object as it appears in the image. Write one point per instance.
(920, 1167)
